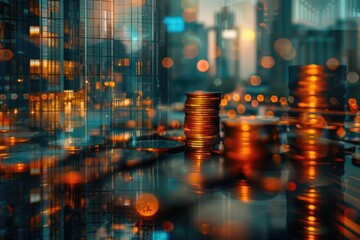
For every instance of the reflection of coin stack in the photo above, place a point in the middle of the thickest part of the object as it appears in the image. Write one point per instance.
(250, 139)
(201, 123)
(310, 212)
(318, 89)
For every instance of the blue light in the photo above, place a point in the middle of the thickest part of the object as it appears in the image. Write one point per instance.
(160, 235)
(174, 24)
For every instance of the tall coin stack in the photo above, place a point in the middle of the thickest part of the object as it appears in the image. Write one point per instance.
(318, 89)
(201, 124)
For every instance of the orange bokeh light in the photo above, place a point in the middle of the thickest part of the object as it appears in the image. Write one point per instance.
(203, 65)
(147, 204)
(267, 62)
(167, 62)
(255, 80)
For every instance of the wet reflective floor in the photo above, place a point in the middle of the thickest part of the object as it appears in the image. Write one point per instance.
(107, 192)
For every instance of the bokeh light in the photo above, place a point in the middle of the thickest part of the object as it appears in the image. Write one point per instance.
(255, 80)
(203, 65)
(167, 62)
(353, 77)
(332, 63)
(267, 62)
(147, 204)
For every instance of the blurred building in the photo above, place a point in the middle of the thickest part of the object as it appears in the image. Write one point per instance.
(187, 46)
(100, 50)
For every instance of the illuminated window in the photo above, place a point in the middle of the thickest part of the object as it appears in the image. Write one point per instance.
(124, 62)
(34, 31)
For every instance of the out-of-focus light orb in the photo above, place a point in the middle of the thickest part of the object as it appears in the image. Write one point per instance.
(290, 55)
(247, 97)
(73, 177)
(190, 51)
(267, 62)
(227, 97)
(291, 186)
(14, 96)
(291, 99)
(6, 55)
(332, 63)
(223, 102)
(260, 98)
(254, 103)
(283, 101)
(236, 97)
(350, 213)
(269, 113)
(241, 108)
(146, 204)
(333, 101)
(167, 62)
(283, 46)
(248, 35)
(231, 113)
(168, 226)
(190, 15)
(175, 124)
(353, 77)
(274, 98)
(203, 65)
(217, 82)
(255, 80)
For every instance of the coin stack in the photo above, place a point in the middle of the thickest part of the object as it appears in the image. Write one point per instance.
(319, 89)
(201, 123)
(250, 139)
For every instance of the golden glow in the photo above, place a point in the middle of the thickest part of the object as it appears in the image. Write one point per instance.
(248, 35)
(311, 218)
(34, 31)
(311, 207)
(147, 204)
(73, 177)
(203, 66)
(245, 127)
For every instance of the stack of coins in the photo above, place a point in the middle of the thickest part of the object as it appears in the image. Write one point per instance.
(318, 89)
(251, 138)
(201, 123)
